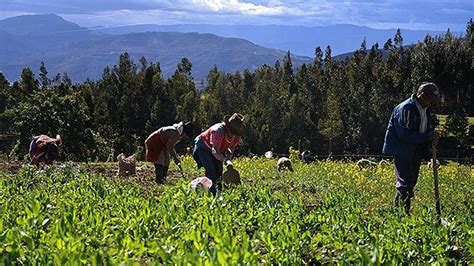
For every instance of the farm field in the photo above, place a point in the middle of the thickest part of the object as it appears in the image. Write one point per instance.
(324, 212)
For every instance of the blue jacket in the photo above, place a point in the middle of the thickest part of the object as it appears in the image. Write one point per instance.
(403, 138)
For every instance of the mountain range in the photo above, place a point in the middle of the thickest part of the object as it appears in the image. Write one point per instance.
(83, 53)
(302, 40)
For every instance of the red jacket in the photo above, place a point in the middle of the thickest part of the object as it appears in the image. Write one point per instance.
(154, 145)
(38, 149)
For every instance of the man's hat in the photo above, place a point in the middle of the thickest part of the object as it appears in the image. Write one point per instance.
(188, 129)
(235, 123)
(430, 89)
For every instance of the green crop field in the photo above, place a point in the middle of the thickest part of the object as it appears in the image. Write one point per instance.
(325, 212)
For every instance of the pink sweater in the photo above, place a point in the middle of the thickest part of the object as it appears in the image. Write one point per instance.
(218, 137)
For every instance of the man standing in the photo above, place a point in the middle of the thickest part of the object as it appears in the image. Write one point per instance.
(408, 137)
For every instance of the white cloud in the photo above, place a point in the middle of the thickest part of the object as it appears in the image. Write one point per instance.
(124, 17)
(196, 11)
(427, 14)
(274, 8)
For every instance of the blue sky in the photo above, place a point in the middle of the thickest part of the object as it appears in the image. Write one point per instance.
(406, 14)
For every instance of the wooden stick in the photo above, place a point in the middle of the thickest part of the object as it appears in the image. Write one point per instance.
(435, 177)
(182, 171)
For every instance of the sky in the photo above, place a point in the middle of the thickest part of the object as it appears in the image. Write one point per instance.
(436, 15)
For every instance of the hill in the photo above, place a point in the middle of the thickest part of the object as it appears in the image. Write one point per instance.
(83, 53)
(343, 38)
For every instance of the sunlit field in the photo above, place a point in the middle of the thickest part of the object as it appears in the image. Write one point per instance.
(324, 212)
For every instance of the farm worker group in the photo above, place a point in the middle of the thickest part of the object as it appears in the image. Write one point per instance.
(212, 147)
(409, 134)
(408, 137)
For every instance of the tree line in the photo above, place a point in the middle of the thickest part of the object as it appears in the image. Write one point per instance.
(328, 105)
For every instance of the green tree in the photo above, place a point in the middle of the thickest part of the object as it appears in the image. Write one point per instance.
(48, 113)
(288, 80)
(26, 86)
(5, 94)
(330, 126)
(457, 123)
(43, 77)
(183, 91)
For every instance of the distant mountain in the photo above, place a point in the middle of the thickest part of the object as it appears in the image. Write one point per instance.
(301, 40)
(30, 37)
(83, 53)
(38, 24)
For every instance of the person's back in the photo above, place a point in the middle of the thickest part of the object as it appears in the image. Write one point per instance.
(160, 144)
(395, 144)
(44, 149)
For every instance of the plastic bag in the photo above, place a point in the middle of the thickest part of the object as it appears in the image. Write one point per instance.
(202, 181)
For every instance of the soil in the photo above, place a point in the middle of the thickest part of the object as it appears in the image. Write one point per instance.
(10, 167)
(145, 173)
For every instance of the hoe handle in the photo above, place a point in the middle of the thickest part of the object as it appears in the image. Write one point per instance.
(435, 177)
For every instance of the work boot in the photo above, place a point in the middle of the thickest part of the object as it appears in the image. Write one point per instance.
(215, 188)
(159, 174)
(219, 185)
(403, 198)
(406, 205)
(406, 201)
(165, 171)
(160, 180)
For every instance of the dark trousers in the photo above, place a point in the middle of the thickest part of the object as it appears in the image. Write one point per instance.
(161, 171)
(213, 167)
(406, 171)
